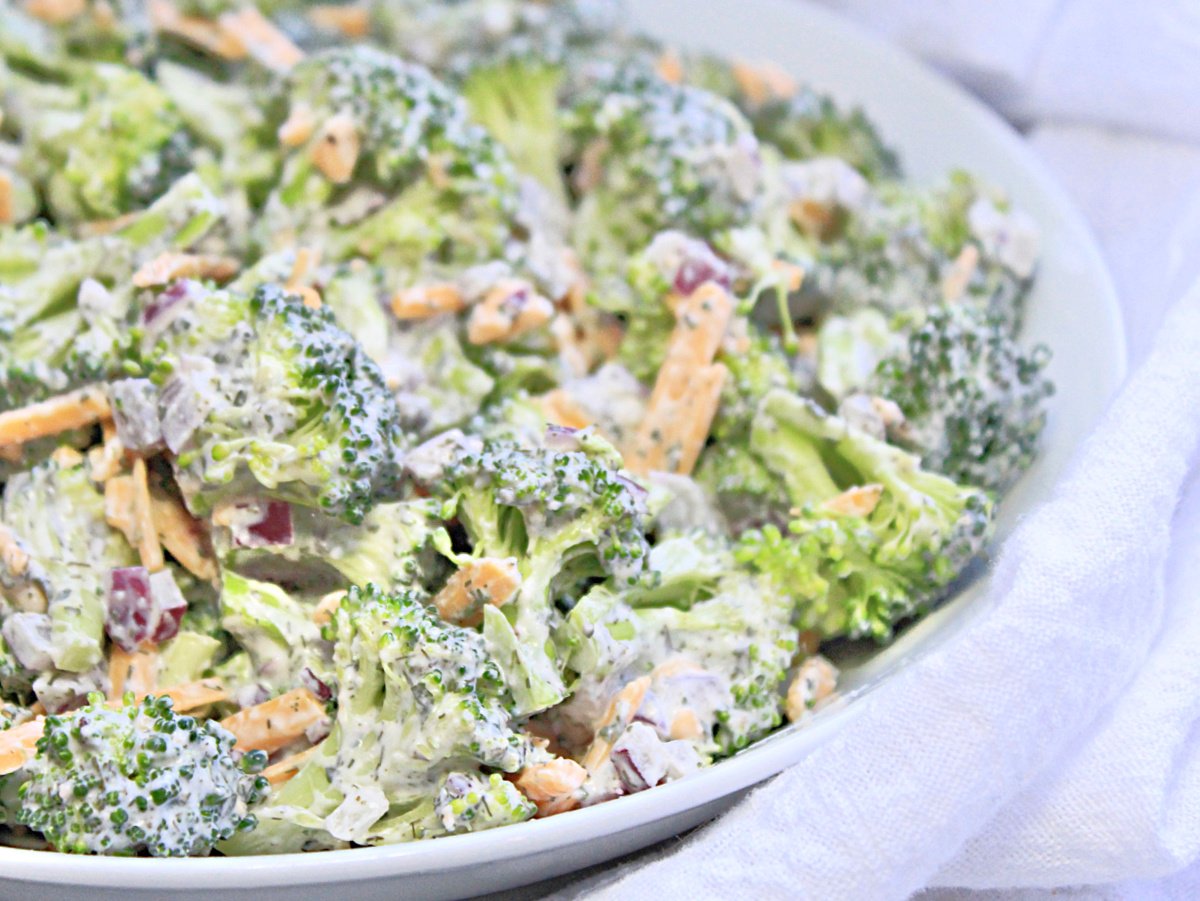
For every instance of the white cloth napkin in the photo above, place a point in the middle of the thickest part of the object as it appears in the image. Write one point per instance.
(1077, 600)
(1057, 742)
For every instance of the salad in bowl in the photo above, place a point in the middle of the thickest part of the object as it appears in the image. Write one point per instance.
(417, 418)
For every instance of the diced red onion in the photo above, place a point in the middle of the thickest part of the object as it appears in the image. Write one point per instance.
(313, 683)
(695, 271)
(169, 606)
(640, 758)
(263, 524)
(135, 414)
(186, 399)
(176, 292)
(638, 491)
(129, 619)
(562, 438)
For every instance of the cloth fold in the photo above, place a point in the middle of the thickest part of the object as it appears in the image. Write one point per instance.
(1076, 602)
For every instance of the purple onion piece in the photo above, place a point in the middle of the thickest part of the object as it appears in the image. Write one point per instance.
(695, 271)
(313, 683)
(627, 769)
(268, 524)
(562, 438)
(129, 617)
(169, 606)
(175, 293)
(639, 492)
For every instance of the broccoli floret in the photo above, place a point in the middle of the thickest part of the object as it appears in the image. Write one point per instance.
(264, 396)
(650, 156)
(566, 515)
(881, 555)
(799, 121)
(109, 142)
(406, 177)
(973, 399)
(141, 779)
(850, 349)
(114, 31)
(66, 306)
(418, 701)
(55, 515)
(914, 249)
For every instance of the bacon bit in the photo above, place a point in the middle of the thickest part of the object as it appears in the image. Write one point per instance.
(858, 501)
(669, 67)
(201, 33)
(76, 410)
(281, 772)
(182, 534)
(509, 310)
(560, 408)
(489, 580)
(276, 723)
(56, 12)
(167, 267)
(617, 717)
(352, 21)
(149, 548)
(688, 388)
(423, 301)
(6, 198)
(814, 686)
(18, 744)
(552, 785)
(337, 147)
(298, 127)
(323, 612)
(954, 283)
(135, 671)
(265, 43)
(763, 81)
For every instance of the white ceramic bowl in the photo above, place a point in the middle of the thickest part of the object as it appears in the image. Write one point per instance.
(935, 126)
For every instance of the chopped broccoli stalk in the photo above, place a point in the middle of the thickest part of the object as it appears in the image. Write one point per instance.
(516, 100)
(277, 631)
(57, 516)
(280, 401)
(142, 778)
(973, 399)
(418, 700)
(565, 515)
(651, 156)
(187, 657)
(392, 548)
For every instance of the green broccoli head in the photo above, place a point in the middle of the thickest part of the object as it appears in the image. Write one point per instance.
(111, 142)
(650, 156)
(393, 170)
(264, 396)
(797, 120)
(911, 249)
(973, 400)
(66, 305)
(420, 708)
(883, 551)
(566, 514)
(140, 779)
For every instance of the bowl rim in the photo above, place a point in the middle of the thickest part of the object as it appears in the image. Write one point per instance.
(742, 771)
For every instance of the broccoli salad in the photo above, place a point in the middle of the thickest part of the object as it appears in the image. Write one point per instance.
(421, 417)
